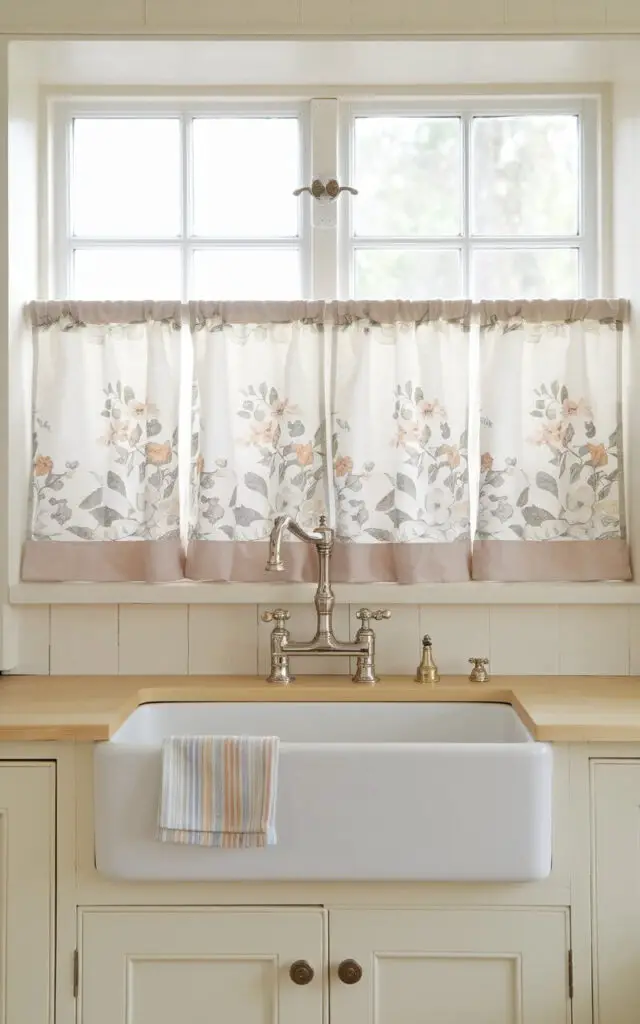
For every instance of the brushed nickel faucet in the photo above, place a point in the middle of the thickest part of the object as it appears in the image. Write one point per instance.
(324, 642)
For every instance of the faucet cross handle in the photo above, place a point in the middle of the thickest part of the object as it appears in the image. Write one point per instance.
(366, 615)
(278, 615)
(479, 672)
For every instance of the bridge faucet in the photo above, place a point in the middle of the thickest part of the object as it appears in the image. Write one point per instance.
(324, 642)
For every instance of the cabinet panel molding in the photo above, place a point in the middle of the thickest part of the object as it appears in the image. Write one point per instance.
(454, 965)
(27, 858)
(616, 881)
(162, 966)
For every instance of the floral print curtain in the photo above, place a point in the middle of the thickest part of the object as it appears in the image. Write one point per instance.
(400, 428)
(105, 443)
(259, 441)
(360, 410)
(387, 383)
(551, 495)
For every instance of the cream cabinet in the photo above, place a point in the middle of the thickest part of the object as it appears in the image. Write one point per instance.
(453, 966)
(201, 965)
(616, 886)
(27, 858)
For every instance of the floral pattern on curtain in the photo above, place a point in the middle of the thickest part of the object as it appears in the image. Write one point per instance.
(259, 442)
(400, 428)
(105, 498)
(551, 496)
(388, 381)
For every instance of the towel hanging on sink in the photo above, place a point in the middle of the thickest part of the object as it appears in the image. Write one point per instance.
(219, 791)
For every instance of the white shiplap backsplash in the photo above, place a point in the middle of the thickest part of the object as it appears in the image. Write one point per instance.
(231, 639)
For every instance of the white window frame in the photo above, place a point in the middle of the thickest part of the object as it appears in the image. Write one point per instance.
(589, 239)
(325, 274)
(61, 242)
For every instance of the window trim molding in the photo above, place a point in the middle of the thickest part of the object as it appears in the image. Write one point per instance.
(189, 592)
(53, 100)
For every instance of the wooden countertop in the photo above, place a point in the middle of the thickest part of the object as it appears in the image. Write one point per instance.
(574, 709)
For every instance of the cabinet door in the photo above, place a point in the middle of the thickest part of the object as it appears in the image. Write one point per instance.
(616, 876)
(27, 833)
(166, 966)
(454, 966)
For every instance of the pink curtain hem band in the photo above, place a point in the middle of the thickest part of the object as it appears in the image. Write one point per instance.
(244, 562)
(557, 561)
(140, 561)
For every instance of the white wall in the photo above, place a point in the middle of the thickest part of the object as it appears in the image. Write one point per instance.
(231, 639)
(317, 17)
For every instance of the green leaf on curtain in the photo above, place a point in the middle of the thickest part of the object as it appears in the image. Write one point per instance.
(533, 515)
(397, 516)
(93, 499)
(386, 504)
(296, 428)
(105, 516)
(523, 499)
(406, 485)
(546, 482)
(246, 516)
(115, 483)
(255, 483)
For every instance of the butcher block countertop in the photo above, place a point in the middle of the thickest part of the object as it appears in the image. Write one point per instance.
(578, 709)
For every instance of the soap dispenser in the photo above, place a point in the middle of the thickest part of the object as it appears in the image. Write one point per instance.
(427, 670)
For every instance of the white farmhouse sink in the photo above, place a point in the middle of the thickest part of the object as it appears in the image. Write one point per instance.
(425, 791)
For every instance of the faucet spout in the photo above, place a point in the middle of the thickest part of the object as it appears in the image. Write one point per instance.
(282, 523)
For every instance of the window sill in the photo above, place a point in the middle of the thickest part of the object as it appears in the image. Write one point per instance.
(302, 593)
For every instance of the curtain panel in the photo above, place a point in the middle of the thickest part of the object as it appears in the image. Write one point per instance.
(376, 413)
(551, 494)
(399, 419)
(105, 502)
(259, 436)
(359, 409)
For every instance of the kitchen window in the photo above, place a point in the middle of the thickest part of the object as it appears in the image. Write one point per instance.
(479, 197)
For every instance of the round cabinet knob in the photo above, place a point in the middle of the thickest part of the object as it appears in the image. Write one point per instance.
(349, 972)
(301, 972)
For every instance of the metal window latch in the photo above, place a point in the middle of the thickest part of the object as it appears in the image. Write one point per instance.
(331, 189)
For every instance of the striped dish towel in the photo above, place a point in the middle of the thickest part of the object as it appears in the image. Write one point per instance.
(219, 791)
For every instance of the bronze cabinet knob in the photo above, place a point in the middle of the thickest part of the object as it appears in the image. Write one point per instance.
(301, 972)
(349, 972)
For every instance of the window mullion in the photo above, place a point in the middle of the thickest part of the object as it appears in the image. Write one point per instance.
(466, 203)
(186, 202)
(323, 214)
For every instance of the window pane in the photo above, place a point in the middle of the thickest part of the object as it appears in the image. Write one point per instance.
(244, 172)
(526, 273)
(246, 274)
(131, 273)
(126, 177)
(525, 178)
(407, 273)
(408, 174)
